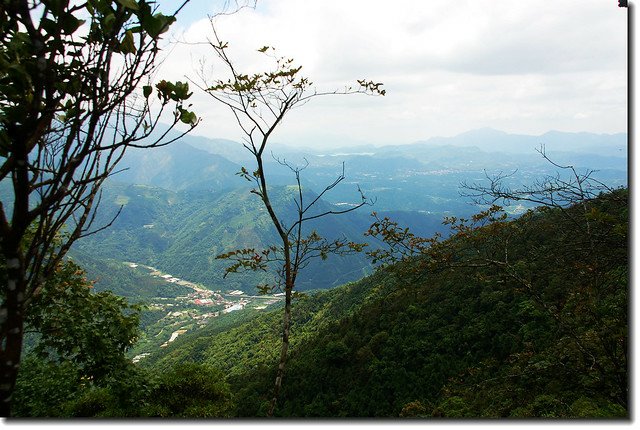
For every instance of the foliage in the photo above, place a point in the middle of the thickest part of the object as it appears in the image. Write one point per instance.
(79, 341)
(77, 366)
(545, 336)
(190, 390)
(90, 330)
(73, 99)
(122, 395)
(43, 386)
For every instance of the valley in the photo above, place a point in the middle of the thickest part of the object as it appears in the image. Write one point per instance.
(170, 316)
(180, 206)
(443, 340)
(301, 210)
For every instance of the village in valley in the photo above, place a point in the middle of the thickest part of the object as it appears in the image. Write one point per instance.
(198, 307)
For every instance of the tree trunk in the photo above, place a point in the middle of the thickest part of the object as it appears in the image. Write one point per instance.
(284, 349)
(11, 326)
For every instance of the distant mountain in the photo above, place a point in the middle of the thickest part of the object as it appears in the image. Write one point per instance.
(423, 176)
(176, 167)
(184, 205)
(476, 150)
(491, 140)
(229, 149)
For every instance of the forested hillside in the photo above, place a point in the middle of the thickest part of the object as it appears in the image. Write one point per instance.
(515, 318)
(182, 206)
(183, 232)
(524, 318)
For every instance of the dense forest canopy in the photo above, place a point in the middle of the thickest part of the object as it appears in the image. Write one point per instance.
(545, 336)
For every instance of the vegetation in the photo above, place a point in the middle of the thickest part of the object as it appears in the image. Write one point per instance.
(70, 105)
(503, 317)
(454, 337)
(182, 233)
(448, 337)
(76, 363)
(76, 344)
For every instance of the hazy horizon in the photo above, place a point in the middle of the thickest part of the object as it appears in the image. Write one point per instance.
(522, 67)
(340, 142)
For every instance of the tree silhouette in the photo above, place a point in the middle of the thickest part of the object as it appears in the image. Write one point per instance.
(75, 94)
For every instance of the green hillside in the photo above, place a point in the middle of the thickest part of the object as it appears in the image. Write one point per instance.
(182, 232)
(178, 167)
(524, 318)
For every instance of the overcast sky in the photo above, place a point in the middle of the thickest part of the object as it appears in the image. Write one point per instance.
(526, 66)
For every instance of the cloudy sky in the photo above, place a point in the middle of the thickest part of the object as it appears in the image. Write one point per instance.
(448, 66)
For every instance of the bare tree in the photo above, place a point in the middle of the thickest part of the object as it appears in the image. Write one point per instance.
(259, 103)
(75, 94)
(568, 186)
(230, 7)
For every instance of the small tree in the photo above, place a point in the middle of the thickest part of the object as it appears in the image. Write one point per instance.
(79, 335)
(74, 95)
(259, 103)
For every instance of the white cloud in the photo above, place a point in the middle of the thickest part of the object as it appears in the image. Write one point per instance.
(522, 66)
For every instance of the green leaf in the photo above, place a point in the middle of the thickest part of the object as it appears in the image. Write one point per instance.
(156, 24)
(146, 91)
(127, 45)
(129, 4)
(181, 91)
(188, 117)
(165, 89)
(70, 23)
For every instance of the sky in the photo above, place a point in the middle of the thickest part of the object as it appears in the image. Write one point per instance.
(448, 67)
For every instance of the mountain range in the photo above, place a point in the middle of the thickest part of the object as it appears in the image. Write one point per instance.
(183, 204)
